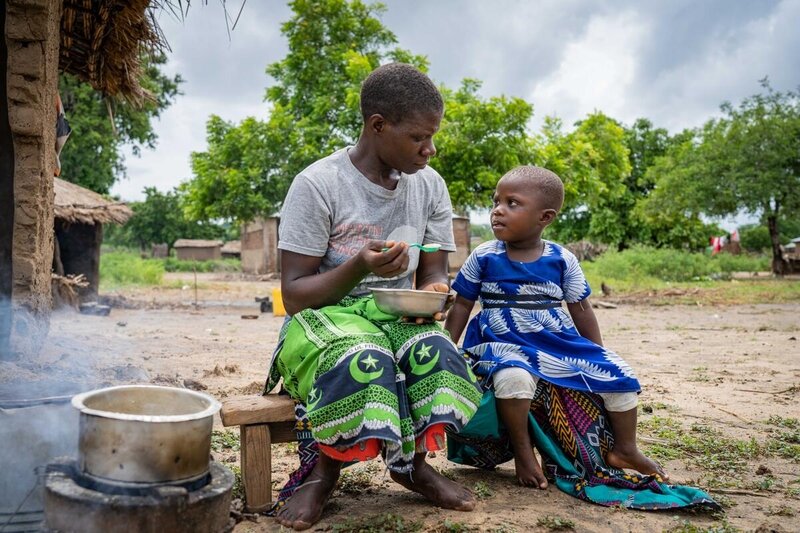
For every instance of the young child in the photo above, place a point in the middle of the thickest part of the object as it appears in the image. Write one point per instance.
(522, 333)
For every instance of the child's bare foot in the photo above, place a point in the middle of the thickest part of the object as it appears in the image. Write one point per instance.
(635, 460)
(529, 471)
(425, 480)
(304, 508)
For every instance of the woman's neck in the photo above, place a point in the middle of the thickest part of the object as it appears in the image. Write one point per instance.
(369, 164)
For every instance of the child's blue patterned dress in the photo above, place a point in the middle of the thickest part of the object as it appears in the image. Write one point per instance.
(522, 322)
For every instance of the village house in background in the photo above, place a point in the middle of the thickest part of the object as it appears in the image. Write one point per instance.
(791, 253)
(259, 245)
(232, 250)
(79, 218)
(197, 250)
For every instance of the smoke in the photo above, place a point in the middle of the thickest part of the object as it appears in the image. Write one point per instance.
(37, 421)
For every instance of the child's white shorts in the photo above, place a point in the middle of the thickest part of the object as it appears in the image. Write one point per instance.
(515, 382)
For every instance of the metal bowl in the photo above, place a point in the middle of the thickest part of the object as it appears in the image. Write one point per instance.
(407, 302)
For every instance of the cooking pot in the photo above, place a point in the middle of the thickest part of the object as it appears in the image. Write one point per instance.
(145, 434)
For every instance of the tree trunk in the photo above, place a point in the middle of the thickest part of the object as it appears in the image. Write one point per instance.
(779, 265)
(6, 200)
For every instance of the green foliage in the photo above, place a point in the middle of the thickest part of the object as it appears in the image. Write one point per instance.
(386, 523)
(358, 479)
(333, 45)
(555, 523)
(125, 268)
(641, 262)
(482, 490)
(754, 237)
(744, 162)
(172, 264)
(238, 482)
(722, 458)
(225, 440)
(160, 219)
(593, 162)
(91, 158)
(448, 526)
(687, 527)
(247, 169)
(724, 263)
(479, 141)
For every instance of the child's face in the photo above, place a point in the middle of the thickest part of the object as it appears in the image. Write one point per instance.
(518, 212)
(408, 145)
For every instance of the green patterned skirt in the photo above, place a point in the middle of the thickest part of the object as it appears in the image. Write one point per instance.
(363, 375)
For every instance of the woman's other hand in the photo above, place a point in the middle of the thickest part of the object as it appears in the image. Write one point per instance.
(435, 287)
(386, 259)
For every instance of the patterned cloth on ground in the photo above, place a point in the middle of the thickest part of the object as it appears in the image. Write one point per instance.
(570, 429)
(362, 375)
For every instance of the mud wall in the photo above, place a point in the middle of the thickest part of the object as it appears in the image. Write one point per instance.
(32, 40)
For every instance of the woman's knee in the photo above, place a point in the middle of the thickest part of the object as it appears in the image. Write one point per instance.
(514, 382)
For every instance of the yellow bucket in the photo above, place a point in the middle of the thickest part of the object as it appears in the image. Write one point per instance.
(277, 303)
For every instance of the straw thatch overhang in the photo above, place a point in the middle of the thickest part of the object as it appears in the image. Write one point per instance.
(75, 204)
(102, 42)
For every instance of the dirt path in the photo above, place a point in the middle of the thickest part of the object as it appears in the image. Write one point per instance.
(711, 375)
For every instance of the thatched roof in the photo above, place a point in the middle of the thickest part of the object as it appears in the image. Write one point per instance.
(78, 205)
(232, 247)
(102, 42)
(196, 243)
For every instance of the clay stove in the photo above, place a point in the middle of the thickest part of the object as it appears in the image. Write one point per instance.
(75, 502)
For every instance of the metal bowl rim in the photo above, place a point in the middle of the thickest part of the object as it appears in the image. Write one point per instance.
(78, 402)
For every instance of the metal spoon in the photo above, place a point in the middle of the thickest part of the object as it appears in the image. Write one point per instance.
(432, 247)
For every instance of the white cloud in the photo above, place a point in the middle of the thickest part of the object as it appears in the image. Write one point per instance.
(596, 72)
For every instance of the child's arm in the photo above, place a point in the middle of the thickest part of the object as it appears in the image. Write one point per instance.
(585, 321)
(457, 317)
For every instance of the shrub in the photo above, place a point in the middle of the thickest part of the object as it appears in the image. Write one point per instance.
(126, 268)
(641, 265)
(172, 264)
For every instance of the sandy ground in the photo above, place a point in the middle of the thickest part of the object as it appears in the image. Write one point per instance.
(729, 368)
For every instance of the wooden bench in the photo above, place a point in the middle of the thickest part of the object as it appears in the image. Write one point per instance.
(262, 421)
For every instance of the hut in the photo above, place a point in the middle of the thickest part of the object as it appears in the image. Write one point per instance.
(461, 234)
(79, 218)
(260, 246)
(197, 250)
(232, 250)
(101, 42)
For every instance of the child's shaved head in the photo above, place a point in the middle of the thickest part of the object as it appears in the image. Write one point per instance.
(545, 183)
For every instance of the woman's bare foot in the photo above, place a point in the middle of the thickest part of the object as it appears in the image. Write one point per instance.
(529, 471)
(304, 508)
(425, 480)
(635, 460)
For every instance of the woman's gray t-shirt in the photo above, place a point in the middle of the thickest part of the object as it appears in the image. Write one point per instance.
(332, 210)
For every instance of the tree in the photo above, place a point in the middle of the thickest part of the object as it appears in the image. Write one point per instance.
(593, 162)
(747, 161)
(333, 46)
(101, 126)
(479, 140)
(160, 219)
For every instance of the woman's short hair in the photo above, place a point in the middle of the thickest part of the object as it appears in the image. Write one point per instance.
(398, 90)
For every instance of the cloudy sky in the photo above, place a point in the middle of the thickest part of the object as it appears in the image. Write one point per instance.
(673, 61)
